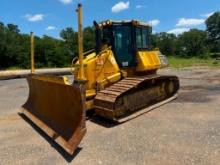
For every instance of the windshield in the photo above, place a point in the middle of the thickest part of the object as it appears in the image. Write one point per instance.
(142, 38)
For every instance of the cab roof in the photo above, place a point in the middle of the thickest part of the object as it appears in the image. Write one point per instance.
(134, 22)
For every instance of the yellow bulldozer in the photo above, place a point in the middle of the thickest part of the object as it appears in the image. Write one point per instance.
(118, 80)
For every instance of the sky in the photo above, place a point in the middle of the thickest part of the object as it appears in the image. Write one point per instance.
(49, 17)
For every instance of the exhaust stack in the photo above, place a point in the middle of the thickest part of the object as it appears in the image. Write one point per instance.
(81, 75)
(32, 53)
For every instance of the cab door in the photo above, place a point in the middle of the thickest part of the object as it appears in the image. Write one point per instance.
(122, 45)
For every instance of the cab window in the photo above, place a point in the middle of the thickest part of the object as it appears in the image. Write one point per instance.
(142, 38)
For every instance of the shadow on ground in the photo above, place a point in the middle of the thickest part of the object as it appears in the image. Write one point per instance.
(131, 116)
(65, 155)
(103, 122)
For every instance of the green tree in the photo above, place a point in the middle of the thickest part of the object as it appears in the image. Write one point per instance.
(51, 52)
(10, 45)
(13, 28)
(15, 49)
(165, 42)
(70, 38)
(2, 45)
(23, 51)
(213, 29)
(89, 38)
(193, 43)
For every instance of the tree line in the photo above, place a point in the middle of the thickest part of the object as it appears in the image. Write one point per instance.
(51, 52)
(194, 43)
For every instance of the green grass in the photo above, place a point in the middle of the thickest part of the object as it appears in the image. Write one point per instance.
(178, 62)
(14, 68)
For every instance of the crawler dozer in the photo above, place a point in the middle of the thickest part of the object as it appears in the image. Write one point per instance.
(118, 80)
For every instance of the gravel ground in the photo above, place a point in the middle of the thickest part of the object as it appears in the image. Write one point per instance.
(185, 131)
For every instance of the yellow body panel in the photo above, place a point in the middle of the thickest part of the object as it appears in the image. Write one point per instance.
(147, 60)
(100, 70)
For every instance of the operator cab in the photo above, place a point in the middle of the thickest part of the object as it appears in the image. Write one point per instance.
(125, 37)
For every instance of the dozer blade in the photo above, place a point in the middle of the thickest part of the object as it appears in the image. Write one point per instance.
(58, 109)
